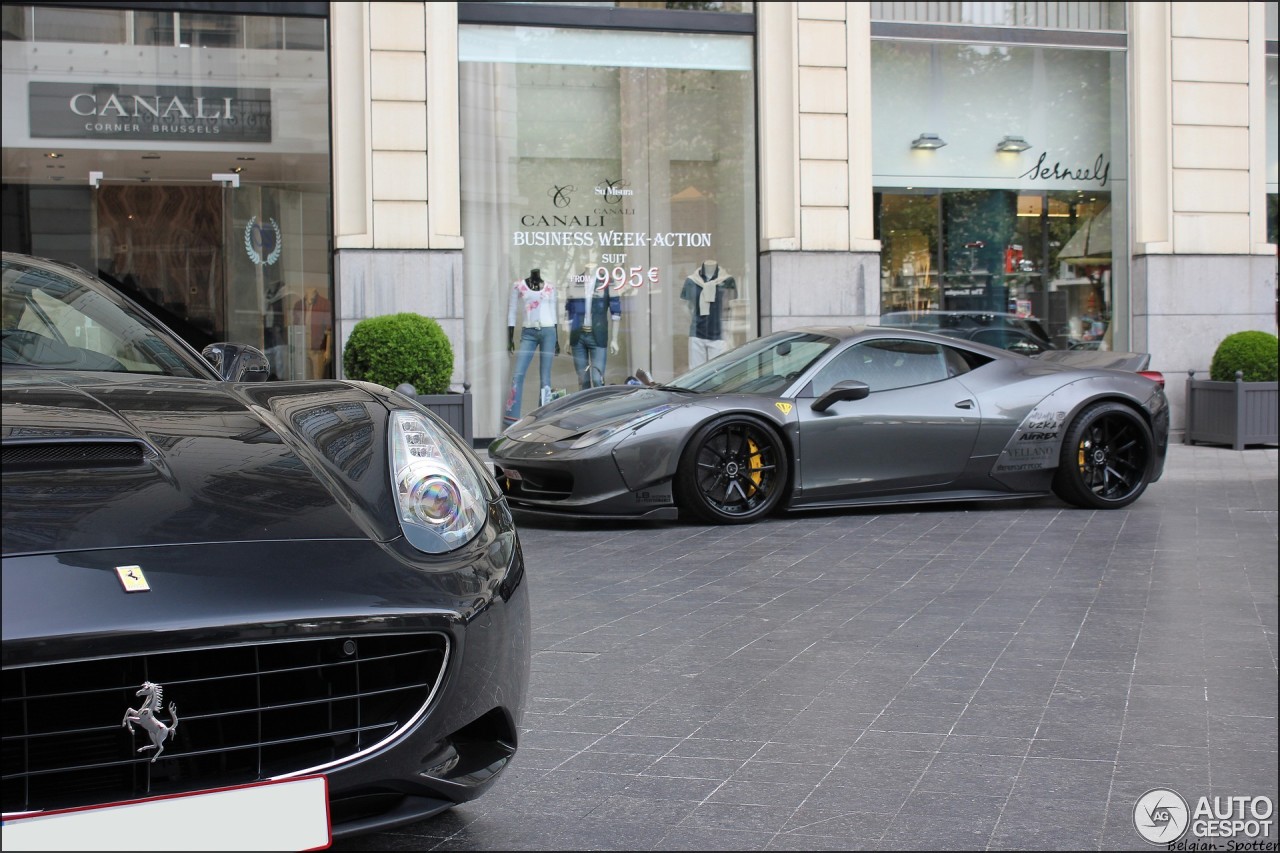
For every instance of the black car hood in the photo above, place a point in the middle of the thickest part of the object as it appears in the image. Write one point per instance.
(96, 460)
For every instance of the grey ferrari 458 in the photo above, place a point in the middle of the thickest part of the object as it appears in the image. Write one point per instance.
(826, 417)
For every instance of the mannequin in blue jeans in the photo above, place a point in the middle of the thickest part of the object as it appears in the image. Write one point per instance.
(534, 300)
(589, 318)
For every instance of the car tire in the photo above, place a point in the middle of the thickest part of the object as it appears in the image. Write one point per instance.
(1108, 454)
(734, 470)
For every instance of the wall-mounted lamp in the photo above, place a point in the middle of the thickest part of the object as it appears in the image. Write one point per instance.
(928, 142)
(1013, 144)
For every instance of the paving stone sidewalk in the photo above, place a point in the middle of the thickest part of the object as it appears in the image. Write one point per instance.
(980, 677)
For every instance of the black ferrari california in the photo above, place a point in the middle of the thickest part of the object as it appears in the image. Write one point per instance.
(826, 417)
(295, 609)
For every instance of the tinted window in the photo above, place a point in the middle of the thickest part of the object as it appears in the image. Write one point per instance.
(888, 364)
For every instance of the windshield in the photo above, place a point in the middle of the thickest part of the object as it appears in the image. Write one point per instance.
(57, 321)
(764, 366)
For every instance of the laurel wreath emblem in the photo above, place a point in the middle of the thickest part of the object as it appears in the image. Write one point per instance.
(253, 253)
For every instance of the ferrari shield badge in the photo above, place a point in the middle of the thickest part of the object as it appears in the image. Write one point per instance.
(146, 719)
(132, 578)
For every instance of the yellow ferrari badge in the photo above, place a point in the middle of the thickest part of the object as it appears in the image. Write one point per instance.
(785, 408)
(132, 579)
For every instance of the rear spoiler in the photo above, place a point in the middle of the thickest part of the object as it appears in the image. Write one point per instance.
(1101, 359)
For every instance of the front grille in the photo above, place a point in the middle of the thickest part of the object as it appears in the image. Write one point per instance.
(245, 713)
(536, 483)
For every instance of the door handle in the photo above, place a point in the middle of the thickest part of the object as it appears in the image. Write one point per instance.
(964, 404)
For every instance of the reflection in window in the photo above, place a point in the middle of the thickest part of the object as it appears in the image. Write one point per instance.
(162, 28)
(1063, 15)
(98, 26)
(1043, 257)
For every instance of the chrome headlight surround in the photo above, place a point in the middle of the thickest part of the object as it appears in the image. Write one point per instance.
(440, 501)
(599, 434)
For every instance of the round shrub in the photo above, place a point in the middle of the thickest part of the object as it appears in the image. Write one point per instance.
(1254, 353)
(398, 348)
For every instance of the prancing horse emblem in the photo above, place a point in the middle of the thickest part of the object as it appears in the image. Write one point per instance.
(147, 719)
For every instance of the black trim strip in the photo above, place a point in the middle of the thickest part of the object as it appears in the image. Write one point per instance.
(278, 9)
(606, 18)
(999, 35)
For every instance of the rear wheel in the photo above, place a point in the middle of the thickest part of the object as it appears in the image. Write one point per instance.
(1107, 458)
(733, 471)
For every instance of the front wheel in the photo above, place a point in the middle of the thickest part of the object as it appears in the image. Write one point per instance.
(734, 470)
(1107, 458)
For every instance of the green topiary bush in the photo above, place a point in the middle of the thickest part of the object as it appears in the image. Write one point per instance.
(1254, 353)
(397, 348)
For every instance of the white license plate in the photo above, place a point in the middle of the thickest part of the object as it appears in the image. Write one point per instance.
(292, 814)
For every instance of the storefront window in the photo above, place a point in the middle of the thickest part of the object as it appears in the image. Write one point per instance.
(1000, 182)
(608, 202)
(1273, 142)
(188, 163)
(1062, 15)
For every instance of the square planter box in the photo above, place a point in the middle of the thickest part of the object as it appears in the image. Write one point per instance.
(453, 409)
(1236, 413)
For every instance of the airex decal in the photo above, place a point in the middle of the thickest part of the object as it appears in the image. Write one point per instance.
(1036, 443)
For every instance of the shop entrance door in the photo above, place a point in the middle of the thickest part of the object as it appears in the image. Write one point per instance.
(163, 245)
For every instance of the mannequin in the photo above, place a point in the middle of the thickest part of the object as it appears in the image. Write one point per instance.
(315, 313)
(533, 301)
(591, 318)
(707, 289)
(274, 337)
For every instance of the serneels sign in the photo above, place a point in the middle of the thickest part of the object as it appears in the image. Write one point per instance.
(154, 113)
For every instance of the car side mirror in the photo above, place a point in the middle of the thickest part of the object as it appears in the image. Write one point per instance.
(238, 362)
(845, 389)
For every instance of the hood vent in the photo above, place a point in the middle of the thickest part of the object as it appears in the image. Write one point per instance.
(80, 454)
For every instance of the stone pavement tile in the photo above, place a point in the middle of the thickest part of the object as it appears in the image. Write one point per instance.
(944, 830)
(1009, 676)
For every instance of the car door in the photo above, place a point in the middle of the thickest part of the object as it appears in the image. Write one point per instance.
(915, 430)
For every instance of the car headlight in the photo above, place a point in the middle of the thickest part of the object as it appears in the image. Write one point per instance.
(439, 499)
(599, 434)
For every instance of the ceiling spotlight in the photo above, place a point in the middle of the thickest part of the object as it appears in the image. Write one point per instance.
(928, 142)
(53, 155)
(1013, 144)
(237, 169)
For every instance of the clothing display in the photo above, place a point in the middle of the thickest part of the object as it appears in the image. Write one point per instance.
(589, 316)
(533, 304)
(314, 312)
(707, 290)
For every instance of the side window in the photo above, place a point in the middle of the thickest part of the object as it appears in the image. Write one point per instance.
(888, 364)
(1009, 339)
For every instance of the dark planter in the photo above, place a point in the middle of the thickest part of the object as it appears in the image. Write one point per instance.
(454, 409)
(1236, 413)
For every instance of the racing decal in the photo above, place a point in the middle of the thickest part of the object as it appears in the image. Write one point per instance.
(785, 408)
(1036, 442)
(658, 495)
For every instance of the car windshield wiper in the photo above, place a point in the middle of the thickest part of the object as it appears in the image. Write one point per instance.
(675, 388)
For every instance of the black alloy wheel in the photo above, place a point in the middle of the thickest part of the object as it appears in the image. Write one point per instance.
(734, 470)
(1107, 458)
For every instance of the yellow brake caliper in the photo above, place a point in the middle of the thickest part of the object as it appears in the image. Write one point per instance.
(757, 463)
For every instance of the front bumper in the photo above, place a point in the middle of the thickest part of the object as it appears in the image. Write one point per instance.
(537, 477)
(441, 647)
